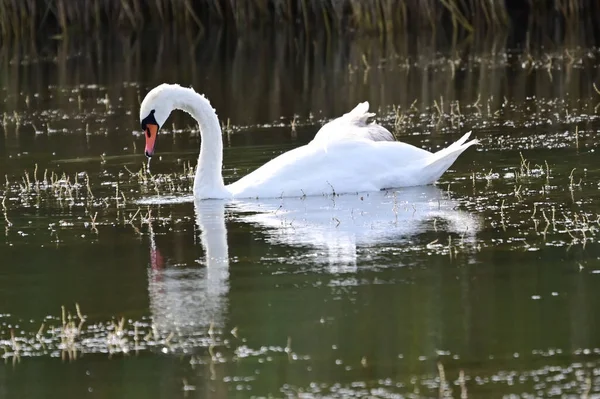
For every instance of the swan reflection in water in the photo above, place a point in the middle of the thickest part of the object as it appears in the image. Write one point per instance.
(336, 227)
(185, 298)
(331, 229)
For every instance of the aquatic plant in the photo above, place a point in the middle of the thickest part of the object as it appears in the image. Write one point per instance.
(32, 18)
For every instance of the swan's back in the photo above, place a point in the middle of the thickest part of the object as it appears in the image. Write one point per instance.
(345, 166)
(348, 155)
(353, 125)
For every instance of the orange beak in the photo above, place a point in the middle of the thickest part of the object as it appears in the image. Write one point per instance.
(151, 133)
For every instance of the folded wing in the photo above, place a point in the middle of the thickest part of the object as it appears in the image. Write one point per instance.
(353, 125)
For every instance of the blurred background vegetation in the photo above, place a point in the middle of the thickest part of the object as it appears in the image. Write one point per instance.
(522, 19)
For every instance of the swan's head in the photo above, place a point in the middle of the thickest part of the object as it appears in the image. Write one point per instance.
(154, 111)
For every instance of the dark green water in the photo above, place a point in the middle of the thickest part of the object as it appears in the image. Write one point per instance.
(485, 285)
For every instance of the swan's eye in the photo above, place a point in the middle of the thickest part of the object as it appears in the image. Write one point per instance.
(149, 120)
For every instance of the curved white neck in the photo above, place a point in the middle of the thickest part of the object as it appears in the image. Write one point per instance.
(208, 182)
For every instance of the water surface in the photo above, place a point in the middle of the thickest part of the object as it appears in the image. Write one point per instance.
(117, 283)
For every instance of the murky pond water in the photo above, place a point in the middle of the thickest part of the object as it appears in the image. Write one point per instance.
(114, 282)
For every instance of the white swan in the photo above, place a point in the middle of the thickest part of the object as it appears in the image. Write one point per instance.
(347, 155)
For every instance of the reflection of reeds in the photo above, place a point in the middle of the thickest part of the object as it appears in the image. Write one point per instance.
(415, 85)
(34, 17)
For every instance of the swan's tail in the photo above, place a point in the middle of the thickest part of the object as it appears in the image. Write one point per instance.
(440, 161)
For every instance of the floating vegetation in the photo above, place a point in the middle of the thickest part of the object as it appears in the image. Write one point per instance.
(226, 356)
(70, 336)
(547, 380)
(53, 189)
